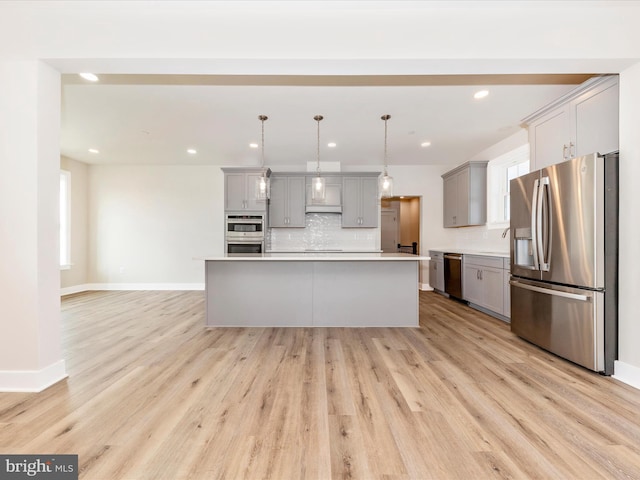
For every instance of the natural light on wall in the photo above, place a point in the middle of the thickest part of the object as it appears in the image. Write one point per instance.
(500, 171)
(65, 220)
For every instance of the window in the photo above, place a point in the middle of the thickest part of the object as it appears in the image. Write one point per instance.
(500, 171)
(65, 220)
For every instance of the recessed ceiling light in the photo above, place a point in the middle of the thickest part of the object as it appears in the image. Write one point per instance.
(89, 76)
(481, 94)
(425, 144)
(331, 144)
(192, 151)
(94, 150)
(253, 145)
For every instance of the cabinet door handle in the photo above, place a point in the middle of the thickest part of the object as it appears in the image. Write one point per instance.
(564, 151)
(571, 153)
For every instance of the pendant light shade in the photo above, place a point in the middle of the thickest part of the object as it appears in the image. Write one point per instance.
(385, 186)
(318, 184)
(263, 185)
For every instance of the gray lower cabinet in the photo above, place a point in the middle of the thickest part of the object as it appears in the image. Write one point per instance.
(436, 270)
(483, 282)
(465, 195)
(287, 202)
(360, 205)
(240, 189)
(506, 274)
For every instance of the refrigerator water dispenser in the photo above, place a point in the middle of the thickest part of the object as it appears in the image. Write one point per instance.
(523, 247)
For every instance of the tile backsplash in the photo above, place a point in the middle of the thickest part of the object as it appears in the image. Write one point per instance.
(323, 232)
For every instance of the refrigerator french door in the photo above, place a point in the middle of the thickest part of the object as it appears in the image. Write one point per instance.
(564, 259)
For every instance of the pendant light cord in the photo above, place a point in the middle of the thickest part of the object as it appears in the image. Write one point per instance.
(262, 118)
(317, 118)
(385, 118)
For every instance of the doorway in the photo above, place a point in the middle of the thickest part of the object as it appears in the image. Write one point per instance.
(400, 224)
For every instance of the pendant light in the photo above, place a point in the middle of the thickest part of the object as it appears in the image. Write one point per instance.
(386, 181)
(318, 184)
(263, 189)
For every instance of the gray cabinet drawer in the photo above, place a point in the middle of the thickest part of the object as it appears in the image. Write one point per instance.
(480, 261)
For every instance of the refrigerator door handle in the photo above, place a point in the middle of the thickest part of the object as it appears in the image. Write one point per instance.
(544, 235)
(548, 291)
(534, 224)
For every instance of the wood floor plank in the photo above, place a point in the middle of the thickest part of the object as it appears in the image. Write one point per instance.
(153, 394)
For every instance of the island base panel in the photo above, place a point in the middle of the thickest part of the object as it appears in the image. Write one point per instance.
(292, 293)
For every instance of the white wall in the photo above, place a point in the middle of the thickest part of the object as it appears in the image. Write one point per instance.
(77, 274)
(628, 368)
(30, 348)
(147, 223)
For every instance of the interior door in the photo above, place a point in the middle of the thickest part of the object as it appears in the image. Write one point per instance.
(389, 231)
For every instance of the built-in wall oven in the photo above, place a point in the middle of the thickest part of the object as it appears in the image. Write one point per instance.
(244, 233)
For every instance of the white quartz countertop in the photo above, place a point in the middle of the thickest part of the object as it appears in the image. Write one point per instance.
(317, 257)
(470, 251)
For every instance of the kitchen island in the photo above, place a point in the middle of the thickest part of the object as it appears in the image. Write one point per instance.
(312, 289)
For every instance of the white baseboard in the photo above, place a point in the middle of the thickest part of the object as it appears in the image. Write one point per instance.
(627, 373)
(32, 380)
(74, 289)
(425, 287)
(131, 286)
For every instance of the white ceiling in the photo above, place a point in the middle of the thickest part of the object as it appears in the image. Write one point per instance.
(153, 119)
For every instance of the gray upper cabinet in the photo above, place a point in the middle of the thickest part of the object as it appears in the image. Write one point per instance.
(287, 201)
(360, 206)
(240, 189)
(582, 122)
(465, 195)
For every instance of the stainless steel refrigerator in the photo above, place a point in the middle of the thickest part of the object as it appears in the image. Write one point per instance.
(564, 259)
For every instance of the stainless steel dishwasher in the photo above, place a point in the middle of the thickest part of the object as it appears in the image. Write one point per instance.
(453, 274)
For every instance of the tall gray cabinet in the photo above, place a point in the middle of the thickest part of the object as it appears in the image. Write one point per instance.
(287, 201)
(360, 201)
(240, 189)
(465, 195)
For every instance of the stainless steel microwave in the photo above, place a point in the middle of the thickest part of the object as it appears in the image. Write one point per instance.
(247, 227)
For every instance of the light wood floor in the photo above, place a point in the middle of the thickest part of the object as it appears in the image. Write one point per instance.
(154, 395)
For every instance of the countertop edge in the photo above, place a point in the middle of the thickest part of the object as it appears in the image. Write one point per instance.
(314, 257)
(467, 251)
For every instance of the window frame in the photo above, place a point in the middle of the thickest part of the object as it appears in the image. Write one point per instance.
(497, 186)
